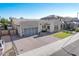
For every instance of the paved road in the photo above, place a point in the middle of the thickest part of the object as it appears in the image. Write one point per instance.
(71, 48)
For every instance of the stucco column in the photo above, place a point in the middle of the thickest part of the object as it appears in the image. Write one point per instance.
(19, 31)
(51, 28)
(39, 27)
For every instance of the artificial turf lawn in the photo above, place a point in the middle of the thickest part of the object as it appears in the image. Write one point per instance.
(61, 34)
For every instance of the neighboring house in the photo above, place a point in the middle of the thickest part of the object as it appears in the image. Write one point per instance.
(9, 27)
(74, 24)
(1, 27)
(69, 23)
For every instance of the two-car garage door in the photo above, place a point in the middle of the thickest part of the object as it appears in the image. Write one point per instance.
(30, 31)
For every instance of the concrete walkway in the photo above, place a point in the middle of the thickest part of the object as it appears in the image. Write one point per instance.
(52, 48)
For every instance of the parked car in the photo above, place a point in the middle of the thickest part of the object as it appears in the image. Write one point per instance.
(1, 47)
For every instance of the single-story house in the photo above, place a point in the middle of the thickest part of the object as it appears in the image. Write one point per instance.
(28, 27)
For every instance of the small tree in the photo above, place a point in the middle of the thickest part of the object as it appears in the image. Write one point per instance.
(4, 22)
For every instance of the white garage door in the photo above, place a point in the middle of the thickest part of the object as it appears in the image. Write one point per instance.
(30, 31)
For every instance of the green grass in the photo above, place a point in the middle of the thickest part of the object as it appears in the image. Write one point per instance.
(61, 34)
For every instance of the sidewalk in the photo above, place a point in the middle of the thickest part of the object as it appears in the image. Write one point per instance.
(51, 48)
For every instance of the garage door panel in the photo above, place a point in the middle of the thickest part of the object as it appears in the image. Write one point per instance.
(30, 31)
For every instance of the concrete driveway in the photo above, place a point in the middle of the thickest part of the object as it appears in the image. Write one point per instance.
(29, 43)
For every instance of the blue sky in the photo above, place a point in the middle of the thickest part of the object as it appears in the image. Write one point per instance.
(38, 10)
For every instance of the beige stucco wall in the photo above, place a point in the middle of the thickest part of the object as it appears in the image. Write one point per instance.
(19, 29)
(43, 22)
(51, 22)
(28, 24)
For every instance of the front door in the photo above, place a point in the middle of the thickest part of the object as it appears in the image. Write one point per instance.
(55, 28)
(45, 27)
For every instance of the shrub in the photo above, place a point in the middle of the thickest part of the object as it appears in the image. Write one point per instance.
(77, 30)
(67, 31)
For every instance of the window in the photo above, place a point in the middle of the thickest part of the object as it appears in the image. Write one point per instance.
(48, 27)
(2, 42)
(44, 26)
(61, 26)
(55, 27)
(78, 25)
